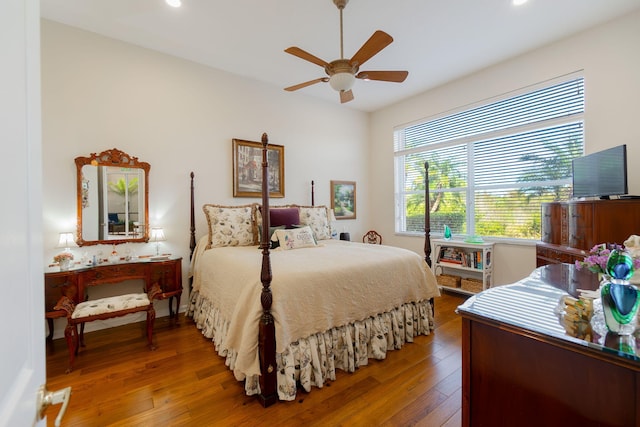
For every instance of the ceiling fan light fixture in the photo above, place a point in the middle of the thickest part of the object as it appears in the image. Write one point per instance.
(343, 72)
(342, 81)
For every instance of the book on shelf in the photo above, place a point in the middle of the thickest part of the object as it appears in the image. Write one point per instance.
(478, 260)
(466, 258)
(451, 261)
(451, 255)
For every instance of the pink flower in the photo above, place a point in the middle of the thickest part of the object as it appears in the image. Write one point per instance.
(598, 256)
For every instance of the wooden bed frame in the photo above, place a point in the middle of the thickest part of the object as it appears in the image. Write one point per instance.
(267, 333)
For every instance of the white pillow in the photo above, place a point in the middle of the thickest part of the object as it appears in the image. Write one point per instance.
(295, 238)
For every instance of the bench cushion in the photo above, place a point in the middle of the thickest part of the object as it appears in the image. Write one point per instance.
(110, 305)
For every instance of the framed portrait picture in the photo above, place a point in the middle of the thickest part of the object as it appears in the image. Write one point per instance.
(247, 169)
(343, 199)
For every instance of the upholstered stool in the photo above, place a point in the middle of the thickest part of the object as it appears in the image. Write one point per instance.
(104, 308)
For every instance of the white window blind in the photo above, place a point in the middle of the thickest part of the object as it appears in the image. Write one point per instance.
(491, 166)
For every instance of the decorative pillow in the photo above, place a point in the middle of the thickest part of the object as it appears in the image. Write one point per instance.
(284, 216)
(258, 217)
(231, 225)
(295, 238)
(316, 217)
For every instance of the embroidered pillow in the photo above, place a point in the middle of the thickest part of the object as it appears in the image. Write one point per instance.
(295, 238)
(316, 217)
(231, 225)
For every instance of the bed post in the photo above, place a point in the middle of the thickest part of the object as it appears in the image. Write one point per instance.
(192, 240)
(313, 193)
(267, 331)
(427, 217)
(427, 227)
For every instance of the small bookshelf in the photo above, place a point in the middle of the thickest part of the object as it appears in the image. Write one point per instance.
(471, 262)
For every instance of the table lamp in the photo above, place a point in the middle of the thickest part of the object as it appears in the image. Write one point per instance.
(157, 235)
(66, 241)
(332, 224)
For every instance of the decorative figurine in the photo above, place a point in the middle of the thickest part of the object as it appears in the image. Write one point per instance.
(447, 232)
(620, 299)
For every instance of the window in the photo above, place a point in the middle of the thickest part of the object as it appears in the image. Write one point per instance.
(491, 166)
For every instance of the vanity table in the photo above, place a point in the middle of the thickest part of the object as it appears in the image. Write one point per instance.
(112, 192)
(520, 367)
(167, 273)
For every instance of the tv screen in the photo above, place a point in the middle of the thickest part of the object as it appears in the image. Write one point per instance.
(601, 174)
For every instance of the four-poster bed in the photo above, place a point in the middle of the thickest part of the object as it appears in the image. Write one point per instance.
(332, 304)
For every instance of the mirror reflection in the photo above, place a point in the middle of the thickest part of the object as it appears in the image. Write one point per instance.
(112, 198)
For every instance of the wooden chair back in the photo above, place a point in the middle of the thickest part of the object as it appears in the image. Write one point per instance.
(372, 237)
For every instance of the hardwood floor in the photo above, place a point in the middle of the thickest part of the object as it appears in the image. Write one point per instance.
(117, 381)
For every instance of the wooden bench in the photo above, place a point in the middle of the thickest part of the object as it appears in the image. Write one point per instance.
(100, 309)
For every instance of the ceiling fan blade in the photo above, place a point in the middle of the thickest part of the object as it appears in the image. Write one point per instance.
(385, 76)
(346, 96)
(305, 84)
(378, 41)
(296, 51)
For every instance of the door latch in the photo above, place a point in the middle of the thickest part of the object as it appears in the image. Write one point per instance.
(47, 398)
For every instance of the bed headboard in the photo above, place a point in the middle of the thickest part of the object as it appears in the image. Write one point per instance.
(427, 217)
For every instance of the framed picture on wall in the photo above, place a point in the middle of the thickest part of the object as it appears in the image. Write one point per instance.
(343, 199)
(247, 169)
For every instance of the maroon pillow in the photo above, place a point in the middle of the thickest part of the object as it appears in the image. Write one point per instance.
(284, 216)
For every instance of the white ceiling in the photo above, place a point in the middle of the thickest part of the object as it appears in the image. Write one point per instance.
(435, 40)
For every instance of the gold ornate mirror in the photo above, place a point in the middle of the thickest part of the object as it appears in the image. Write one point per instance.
(113, 198)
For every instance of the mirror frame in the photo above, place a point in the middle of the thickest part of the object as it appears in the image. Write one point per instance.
(113, 157)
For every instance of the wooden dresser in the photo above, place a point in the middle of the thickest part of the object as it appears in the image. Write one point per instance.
(167, 273)
(521, 368)
(571, 229)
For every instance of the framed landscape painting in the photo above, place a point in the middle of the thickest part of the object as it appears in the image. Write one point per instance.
(247, 169)
(343, 199)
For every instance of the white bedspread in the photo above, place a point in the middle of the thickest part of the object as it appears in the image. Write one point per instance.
(314, 289)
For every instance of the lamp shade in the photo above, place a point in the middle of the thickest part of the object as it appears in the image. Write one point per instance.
(342, 81)
(66, 240)
(157, 234)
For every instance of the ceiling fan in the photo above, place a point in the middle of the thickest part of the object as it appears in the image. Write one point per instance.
(343, 72)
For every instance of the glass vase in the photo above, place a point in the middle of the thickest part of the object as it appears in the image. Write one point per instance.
(620, 303)
(620, 299)
(447, 233)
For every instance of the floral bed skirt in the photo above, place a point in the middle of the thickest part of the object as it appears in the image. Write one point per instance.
(313, 360)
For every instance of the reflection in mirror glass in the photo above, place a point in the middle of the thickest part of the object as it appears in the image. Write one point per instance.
(112, 198)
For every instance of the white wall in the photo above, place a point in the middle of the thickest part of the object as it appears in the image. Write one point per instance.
(99, 93)
(179, 116)
(609, 57)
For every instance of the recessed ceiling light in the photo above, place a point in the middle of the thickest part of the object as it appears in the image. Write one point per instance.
(519, 2)
(174, 3)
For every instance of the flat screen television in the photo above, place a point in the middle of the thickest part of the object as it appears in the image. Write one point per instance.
(601, 174)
